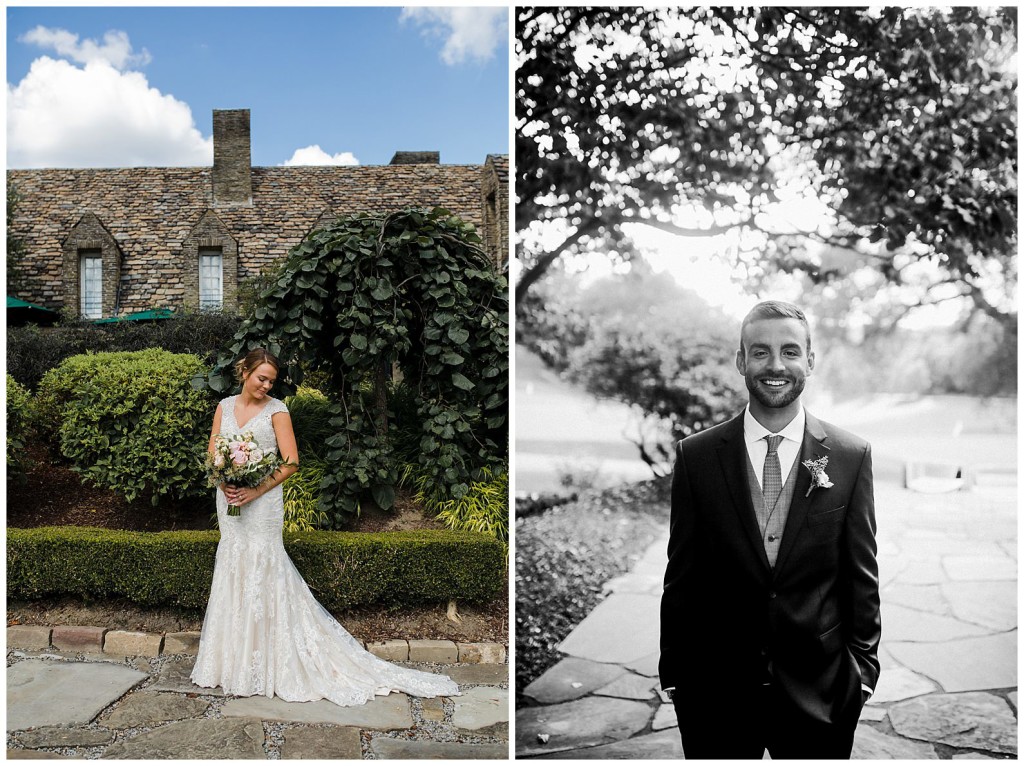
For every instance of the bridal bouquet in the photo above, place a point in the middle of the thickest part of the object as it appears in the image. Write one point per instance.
(239, 460)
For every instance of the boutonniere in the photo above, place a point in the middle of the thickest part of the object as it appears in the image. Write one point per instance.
(819, 479)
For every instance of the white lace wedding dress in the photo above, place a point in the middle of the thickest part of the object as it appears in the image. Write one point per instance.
(264, 632)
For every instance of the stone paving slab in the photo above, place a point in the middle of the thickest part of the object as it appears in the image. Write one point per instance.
(41, 693)
(900, 684)
(61, 736)
(478, 674)
(480, 707)
(903, 624)
(28, 637)
(646, 666)
(629, 686)
(206, 737)
(433, 651)
(870, 744)
(380, 713)
(571, 679)
(665, 718)
(131, 643)
(659, 745)
(144, 708)
(622, 628)
(392, 650)
(969, 664)
(174, 677)
(980, 567)
(971, 719)
(37, 755)
(573, 725)
(870, 713)
(183, 642)
(78, 638)
(341, 743)
(482, 652)
(990, 604)
(406, 749)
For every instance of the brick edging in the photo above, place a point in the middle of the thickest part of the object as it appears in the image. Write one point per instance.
(127, 643)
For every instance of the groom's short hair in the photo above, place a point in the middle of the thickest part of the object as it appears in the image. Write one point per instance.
(775, 310)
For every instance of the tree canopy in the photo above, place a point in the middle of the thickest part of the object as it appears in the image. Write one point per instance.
(370, 293)
(699, 121)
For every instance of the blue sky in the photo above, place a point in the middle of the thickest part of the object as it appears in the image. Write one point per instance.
(119, 86)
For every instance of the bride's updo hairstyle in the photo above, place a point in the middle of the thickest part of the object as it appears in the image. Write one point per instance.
(254, 359)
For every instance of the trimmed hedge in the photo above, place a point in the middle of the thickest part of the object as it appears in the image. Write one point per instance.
(32, 351)
(343, 569)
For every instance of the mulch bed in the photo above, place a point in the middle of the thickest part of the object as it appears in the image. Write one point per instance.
(54, 495)
(566, 554)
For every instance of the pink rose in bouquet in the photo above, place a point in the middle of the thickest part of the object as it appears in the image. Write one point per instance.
(239, 460)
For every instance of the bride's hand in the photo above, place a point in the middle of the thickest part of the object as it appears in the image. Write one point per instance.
(240, 495)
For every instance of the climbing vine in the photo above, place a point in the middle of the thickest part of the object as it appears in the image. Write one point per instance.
(369, 295)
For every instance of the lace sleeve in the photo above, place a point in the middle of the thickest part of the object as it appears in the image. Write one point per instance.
(277, 406)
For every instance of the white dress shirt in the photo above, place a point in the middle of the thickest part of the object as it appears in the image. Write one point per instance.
(757, 448)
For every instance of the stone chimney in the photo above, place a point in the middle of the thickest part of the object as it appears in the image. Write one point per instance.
(232, 159)
(416, 158)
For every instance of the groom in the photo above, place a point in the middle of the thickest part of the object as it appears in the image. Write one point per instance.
(770, 614)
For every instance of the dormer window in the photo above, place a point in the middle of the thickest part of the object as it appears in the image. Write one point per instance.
(90, 277)
(211, 279)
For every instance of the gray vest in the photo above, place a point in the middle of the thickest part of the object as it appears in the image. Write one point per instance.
(771, 524)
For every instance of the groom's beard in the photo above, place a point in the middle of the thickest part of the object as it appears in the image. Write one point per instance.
(769, 397)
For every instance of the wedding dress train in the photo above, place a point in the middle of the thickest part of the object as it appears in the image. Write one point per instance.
(264, 632)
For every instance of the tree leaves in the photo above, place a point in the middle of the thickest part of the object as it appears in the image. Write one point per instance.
(369, 293)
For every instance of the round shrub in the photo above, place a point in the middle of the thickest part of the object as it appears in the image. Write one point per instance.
(18, 400)
(131, 421)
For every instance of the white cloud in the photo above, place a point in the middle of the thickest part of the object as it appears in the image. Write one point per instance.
(116, 48)
(470, 34)
(62, 115)
(314, 155)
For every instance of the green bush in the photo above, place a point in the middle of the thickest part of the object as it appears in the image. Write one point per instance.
(484, 508)
(130, 421)
(343, 569)
(33, 351)
(18, 401)
(302, 496)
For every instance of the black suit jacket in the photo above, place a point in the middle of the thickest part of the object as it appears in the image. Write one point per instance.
(728, 618)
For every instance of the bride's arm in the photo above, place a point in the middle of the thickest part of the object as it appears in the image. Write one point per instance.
(211, 447)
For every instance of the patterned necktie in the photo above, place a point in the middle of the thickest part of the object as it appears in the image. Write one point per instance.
(771, 479)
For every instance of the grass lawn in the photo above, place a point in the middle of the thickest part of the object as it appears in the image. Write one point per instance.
(565, 555)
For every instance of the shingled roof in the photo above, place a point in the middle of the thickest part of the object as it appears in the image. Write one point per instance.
(151, 212)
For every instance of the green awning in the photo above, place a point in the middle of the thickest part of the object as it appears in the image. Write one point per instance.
(17, 303)
(140, 316)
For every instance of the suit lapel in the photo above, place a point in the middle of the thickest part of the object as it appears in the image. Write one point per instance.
(732, 455)
(813, 447)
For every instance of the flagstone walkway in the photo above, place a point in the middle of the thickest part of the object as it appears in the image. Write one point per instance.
(948, 689)
(66, 705)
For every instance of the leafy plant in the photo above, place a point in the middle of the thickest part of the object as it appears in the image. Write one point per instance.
(370, 292)
(130, 421)
(484, 508)
(18, 425)
(302, 496)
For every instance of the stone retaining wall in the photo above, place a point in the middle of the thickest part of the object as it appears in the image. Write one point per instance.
(127, 643)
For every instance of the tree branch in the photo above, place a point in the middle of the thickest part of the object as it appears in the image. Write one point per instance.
(535, 272)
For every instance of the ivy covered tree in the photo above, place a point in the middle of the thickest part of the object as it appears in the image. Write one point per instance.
(411, 291)
(699, 121)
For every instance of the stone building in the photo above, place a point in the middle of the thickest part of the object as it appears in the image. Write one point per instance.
(111, 242)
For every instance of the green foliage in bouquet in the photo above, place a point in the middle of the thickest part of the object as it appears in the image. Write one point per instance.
(18, 420)
(367, 293)
(130, 421)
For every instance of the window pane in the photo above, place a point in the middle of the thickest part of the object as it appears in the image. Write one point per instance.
(210, 281)
(91, 285)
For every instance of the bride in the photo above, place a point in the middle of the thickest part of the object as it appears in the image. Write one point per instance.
(264, 632)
